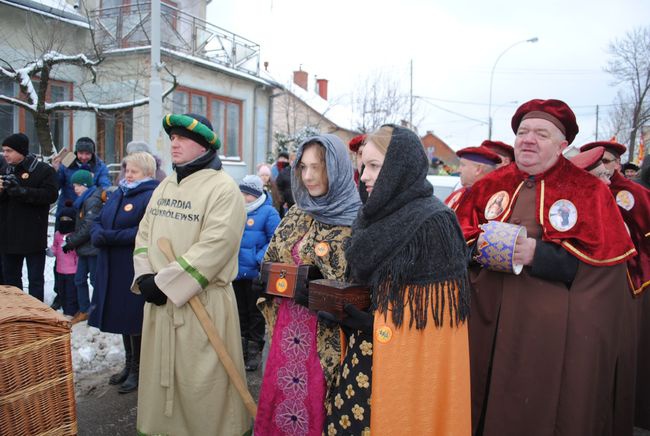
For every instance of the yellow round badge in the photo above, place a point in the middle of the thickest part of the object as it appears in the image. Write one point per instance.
(250, 222)
(128, 208)
(321, 249)
(25, 176)
(281, 285)
(384, 334)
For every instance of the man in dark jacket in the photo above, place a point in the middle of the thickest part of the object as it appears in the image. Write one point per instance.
(28, 188)
(87, 160)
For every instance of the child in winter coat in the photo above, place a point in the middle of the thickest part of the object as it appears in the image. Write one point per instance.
(66, 263)
(262, 219)
(88, 205)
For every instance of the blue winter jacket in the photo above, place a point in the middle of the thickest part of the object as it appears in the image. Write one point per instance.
(95, 166)
(259, 229)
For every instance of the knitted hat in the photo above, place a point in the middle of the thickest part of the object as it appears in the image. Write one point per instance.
(554, 111)
(192, 126)
(18, 142)
(136, 146)
(252, 185)
(66, 218)
(85, 144)
(82, 177)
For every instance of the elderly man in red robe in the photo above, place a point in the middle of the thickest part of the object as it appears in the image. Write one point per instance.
(634, 204)
(475, 163)
(506, 152)
(543, 343)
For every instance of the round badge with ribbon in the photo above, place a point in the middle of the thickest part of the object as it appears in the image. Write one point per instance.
(496, 205)
(625, 199)
(563, 215)
(281, 285)
(384, 334)
(321, 249)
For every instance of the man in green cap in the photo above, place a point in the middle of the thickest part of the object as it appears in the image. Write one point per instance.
(184, 388)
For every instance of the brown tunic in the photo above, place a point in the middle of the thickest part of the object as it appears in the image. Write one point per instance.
(543, 356)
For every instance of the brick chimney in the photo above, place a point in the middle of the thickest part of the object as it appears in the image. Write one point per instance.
(300, 78)
(321, 87)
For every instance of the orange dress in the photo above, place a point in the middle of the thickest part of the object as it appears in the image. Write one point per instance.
(420, 378)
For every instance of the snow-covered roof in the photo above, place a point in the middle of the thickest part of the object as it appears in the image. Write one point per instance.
(56, 9)
(338, 114)
(200, 61)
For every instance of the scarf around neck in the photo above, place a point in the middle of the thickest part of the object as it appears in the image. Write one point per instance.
(78, 203)
(406, 244)
(254, 205)
(340, 204)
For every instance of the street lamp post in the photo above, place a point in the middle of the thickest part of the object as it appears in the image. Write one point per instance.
(535, 39)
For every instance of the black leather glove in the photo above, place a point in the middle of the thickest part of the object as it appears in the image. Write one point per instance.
(356, 319)
(17, 191)
(150, 290)
(67, 248)
(9, 181)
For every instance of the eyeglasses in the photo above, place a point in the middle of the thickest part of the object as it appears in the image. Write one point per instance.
(609, 161)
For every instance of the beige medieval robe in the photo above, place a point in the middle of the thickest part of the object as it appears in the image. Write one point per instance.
(184, 389)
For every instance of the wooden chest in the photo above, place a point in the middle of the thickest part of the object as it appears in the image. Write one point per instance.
(332, 296)
(36, 385)
(283, 279)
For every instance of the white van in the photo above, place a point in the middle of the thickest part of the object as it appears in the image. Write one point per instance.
(444, 185)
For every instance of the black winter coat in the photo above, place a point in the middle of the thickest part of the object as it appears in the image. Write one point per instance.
(283, 182)
(24, 212)
(80, 238)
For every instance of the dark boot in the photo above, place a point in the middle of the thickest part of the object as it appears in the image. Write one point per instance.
(254, 355)
(131, 382)
(119, 377)
(244, 347)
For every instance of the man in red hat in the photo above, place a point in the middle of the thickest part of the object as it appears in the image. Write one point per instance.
(356, 145)
(634, 204)
(505, 151)
(591, 161)
(475, 163)
(543, 343)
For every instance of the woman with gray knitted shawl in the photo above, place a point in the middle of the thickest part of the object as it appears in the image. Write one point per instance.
(408, 247)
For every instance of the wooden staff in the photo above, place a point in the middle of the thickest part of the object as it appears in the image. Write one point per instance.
(213, 335)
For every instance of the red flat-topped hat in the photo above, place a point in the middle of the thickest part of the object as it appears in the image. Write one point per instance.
(555, 111)
(588, 159)
(612, 146)
(479, 155)
(356, 142)
(500, 148)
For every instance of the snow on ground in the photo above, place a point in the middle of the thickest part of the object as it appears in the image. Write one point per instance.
(94, 353)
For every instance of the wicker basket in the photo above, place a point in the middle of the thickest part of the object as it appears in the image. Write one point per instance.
(36, 385)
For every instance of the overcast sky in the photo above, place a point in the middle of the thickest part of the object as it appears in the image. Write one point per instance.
(454, 45)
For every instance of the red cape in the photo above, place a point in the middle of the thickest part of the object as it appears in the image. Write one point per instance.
(585, 221)
(455, 198)
(634, 204)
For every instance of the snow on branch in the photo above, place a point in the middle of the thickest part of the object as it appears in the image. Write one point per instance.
(20, 103)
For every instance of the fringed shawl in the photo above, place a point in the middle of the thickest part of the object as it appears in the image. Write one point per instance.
(407, 245)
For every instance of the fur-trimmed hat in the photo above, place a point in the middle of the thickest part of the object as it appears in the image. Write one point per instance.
(555, 111)
(82, 177)
(85, 144)
(195, 127)
(18, 142)
(252, 185)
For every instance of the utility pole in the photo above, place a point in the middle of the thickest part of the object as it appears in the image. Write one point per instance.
(155, 86)
(411, 99)
(597, 109)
